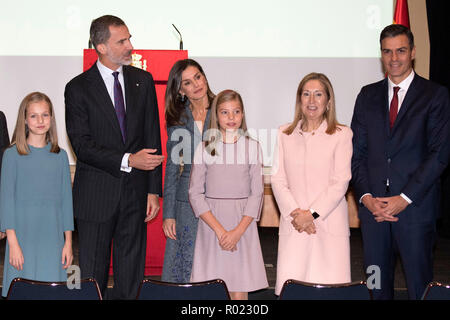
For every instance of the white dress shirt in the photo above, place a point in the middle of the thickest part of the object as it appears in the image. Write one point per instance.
(404, 86)
(108, 79)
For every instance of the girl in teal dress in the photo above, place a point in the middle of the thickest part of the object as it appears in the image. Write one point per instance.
(36, 197)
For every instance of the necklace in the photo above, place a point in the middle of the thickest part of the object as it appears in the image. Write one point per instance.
(198, 113)
(314, 129)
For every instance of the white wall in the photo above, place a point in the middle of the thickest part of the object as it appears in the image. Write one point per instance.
(262, 48)
(267, 85)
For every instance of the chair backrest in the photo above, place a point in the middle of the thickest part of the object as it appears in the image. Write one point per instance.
(158, 290)
(25, 289)
(436, 291)
(298, 290)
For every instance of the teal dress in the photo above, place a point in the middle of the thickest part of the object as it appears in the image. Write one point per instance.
(36, 201)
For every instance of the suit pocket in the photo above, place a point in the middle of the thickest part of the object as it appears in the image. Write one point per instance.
(337, 222)
(95, 194)
(286, 226)
(182, 193)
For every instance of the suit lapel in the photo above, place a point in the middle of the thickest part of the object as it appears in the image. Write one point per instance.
(103, 100)
(206, 125)
(131, 92)
(190, 124)
(384, 107)
(192, 127)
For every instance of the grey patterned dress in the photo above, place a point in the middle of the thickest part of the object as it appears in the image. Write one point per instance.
(179, 253)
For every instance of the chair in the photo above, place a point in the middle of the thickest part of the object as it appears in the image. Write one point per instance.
(436, 291)
(298, 290)
(159, 290)
(25, 289)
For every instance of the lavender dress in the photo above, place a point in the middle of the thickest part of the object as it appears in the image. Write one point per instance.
(229, 184)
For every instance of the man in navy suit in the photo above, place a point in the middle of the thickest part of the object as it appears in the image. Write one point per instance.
(400, 148)
(113, 124)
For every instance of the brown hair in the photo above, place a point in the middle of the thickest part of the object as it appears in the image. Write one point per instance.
(173, 100)
(21, 131)
(99, 30)
(395, 30)
(330, 112)
(214, 134)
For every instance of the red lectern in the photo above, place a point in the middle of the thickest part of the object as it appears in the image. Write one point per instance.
(158, 63)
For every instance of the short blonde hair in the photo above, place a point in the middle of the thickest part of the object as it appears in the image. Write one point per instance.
(330, 112)
(21, 130)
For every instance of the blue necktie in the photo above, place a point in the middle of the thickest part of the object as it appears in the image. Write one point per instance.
(119, 105)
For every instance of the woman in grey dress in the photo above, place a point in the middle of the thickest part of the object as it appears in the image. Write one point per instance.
(187, 100)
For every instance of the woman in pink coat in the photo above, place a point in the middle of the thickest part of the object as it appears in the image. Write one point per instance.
(310, 176)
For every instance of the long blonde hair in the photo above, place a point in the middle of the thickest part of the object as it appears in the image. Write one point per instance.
(21, 130)
(330, 112)
(214, 134)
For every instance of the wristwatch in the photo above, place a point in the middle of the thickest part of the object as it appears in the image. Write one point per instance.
(315, 215)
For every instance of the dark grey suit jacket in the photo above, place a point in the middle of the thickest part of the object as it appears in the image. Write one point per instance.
(184, 138)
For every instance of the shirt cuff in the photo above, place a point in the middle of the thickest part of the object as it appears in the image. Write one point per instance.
(314, 214)
(406, 198)
(365, 194)
(124, 165)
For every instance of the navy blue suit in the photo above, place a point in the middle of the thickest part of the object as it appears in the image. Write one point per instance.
(412, 155)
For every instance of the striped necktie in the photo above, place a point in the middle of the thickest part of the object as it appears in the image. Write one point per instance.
(119, 105)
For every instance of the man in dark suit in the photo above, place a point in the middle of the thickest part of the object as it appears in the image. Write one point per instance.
(4, 143)
(113, 125)
(4, 136)
(401, 131)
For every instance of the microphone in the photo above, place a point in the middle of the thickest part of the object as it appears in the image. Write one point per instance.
(181, 38)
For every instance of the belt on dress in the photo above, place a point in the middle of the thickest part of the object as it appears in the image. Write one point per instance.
(226, 198)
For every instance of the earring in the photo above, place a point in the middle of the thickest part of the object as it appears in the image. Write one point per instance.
(183, 98)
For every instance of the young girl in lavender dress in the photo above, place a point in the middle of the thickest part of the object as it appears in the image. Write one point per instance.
(36, 197)
(226, 192)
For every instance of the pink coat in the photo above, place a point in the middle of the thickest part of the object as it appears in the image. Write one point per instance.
(312, 171)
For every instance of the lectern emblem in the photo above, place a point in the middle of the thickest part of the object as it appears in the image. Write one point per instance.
(138, 62)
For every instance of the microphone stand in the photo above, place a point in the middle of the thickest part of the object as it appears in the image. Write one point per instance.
(181, 38)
